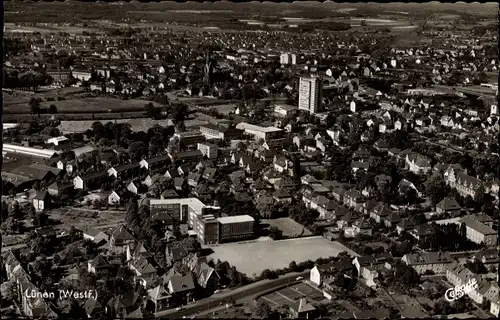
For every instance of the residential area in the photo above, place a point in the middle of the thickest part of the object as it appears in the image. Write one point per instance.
(276, 167)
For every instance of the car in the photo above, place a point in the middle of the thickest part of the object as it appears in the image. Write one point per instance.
(299, 278)
(179, 308)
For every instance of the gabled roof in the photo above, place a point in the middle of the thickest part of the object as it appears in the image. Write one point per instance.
(302, 306)
(99, 262)
(448, 204)
(182, 283)
(121, 234)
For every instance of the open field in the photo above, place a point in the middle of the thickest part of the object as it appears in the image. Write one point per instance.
(289, 227)
(253, 257)
(18, 104)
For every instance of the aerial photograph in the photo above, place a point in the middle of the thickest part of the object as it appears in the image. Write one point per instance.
(250, 160)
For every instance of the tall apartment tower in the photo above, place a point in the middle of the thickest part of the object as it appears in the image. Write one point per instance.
(310, 94)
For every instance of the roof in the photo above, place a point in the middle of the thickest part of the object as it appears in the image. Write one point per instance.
(448, 204)
(43, 153)
(235, 219)
(31, 172)
(83, 150)
(478, 226)
(302, 306)
(424, 258)
(121, 234)
(247, 126)
(194, 203)
(182, 283)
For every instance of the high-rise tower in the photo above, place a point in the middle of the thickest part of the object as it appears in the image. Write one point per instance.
(310, 94)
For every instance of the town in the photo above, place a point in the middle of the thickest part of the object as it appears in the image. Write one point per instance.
(303, 161)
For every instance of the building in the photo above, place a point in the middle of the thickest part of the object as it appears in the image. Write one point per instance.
(302, 309)
(58, 141)
(207, 229)
(310, 94)
(81, 75)
(450, 206)
(463, 183)
(288, 58)
(190, 138)
(479, 232)
(220, 132)
(29, 151)
(418, 164)
(437, 262)
(90, 181)
(258, 132)
(210, 150)
(182, 210)
(236, 228)
(155, 163)
(285, 110)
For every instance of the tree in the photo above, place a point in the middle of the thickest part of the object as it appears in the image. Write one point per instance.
(137, 150)
(52, 109)
(436, 188)
(292, 266)
(275, 233)
(262, 309)
(41, 219)
(35, 105)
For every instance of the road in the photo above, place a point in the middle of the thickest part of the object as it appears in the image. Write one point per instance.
(237, 295)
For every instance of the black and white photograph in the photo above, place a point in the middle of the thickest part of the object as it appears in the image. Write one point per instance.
(250, 160)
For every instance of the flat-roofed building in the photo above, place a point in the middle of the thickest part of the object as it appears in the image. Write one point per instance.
(190, 138)
(236, 228)
(258, 132)
(207, 229)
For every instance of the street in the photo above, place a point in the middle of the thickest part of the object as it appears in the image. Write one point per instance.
(237, 295)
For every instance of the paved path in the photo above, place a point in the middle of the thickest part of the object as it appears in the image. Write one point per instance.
(238, 295)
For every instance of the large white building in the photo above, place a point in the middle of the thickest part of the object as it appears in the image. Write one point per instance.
(258, 132)
(288, 58)
(310, 94)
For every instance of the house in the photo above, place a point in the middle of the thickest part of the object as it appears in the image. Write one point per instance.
(319, 273)
(380, 212)
(120, 238)
(369, 267)
(437, 262)
(405, 225)
(94, 309)
(354, 199)
(148, 182)
(423, 231)
(89, 181)
(181, 285)
(99, 266)
(486, 291)
(41, 201)
(58, 189)
(174, 253)
(160, 297)
(417, 163)
(124, 171)
(282, 196)
(302, 309)
(171, 174)
(155, 164)
(144, 271)
(179, 183)
(206, 277)
(449, 206)
(114, 198)
(209, 174)
(193, 179)
(169, 194)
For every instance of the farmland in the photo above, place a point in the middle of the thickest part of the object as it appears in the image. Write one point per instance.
(275, 254)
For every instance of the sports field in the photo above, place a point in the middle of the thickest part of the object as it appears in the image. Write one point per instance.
(254, 257)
